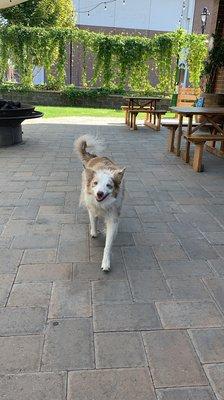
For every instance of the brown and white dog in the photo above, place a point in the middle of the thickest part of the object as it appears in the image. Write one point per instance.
(102, 192)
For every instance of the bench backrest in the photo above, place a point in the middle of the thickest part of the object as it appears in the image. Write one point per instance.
(187, 96)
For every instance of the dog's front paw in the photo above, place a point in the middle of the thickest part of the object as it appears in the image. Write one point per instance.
(105, 266)
(93, 234)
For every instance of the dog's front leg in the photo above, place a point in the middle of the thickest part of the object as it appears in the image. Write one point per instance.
(111, 231)
(93, 224)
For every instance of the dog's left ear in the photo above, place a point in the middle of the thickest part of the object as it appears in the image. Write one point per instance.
(118, 175)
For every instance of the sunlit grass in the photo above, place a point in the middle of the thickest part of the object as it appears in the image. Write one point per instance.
(54, 112)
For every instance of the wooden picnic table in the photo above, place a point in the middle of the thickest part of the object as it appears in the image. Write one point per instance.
(143, 104)
(195, 134)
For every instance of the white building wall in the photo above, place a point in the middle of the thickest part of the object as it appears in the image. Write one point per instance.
(156, 15)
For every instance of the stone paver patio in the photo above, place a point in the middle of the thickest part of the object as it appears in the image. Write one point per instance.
(153, 328)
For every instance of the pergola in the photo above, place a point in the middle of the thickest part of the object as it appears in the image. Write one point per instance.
(10, 3)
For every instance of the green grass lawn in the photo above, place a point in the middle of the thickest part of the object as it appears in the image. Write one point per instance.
(53, 112)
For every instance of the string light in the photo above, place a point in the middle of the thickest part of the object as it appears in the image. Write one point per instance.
(98, 5)
(182, 13)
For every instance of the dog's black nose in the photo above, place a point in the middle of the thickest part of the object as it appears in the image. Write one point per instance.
(100, 194)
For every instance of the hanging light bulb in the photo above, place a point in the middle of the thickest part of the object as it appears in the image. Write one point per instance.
(105, 6)
(124, 2)
(184, 5)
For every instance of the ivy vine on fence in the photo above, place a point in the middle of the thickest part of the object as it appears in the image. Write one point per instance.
(118, 60)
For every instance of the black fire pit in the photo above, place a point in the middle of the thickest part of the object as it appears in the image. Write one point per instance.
(12, 114)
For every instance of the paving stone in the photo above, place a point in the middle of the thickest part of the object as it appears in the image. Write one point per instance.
(68, 345)
(111, 292)
(25, 212)
(33, 386)
(6, 279)
(150, 239)
(5, 242)
(73, 246)
(185, 268)
(219, 250)
(22, 320)
(33, 256)
(71, 299)
(192, 393)
(35, 241)
(128, 212)
(188, 289)
(198, 249)
(216, 286)
(172, 359)
(125, 317)
(56, 218)
(5, 287)
(30, 295)
(208, 344)
(215, 373)
(20, 353)
(146, 214)
(129, 225)
(9, 260)
(169, 252)
(119, 384)
(184, 230)
(218, 266)
(156, 227)
(44, 273)
(148, 286)
(119, 350)
(93, 272)
(140, 257)
(189, 314)
(215, 237)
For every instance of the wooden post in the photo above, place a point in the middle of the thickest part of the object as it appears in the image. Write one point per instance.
(179, 135)
(171, 138)
(188, 144)
(197, 161)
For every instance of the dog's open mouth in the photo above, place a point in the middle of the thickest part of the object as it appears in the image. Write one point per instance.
(99, 199)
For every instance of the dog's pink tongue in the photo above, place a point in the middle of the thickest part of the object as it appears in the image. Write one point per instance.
(101, 198)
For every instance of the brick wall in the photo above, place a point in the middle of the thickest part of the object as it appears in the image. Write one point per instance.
(56, 98)
(219, 86)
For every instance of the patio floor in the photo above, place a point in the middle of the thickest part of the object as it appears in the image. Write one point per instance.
(153, 328)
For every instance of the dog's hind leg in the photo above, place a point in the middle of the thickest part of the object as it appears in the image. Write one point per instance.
(111, 231)
(93, 224)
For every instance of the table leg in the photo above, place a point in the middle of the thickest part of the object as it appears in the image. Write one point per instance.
(179, 135)
(188, 144)
(171, 138)
(197, 161)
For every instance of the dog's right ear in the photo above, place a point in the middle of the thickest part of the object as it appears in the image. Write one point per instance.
(89, 175)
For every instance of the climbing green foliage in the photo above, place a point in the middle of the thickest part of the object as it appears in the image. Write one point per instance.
(119, 61)
(45, 13)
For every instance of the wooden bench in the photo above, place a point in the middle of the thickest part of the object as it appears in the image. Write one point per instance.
(187, 96)
(199, 142)
(172, 127)
(127, 112)
(149, 112)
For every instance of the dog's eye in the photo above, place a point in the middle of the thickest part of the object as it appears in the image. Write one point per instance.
(109, 186)
(95, 183)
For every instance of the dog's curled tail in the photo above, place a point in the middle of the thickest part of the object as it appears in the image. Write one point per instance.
(90, 142)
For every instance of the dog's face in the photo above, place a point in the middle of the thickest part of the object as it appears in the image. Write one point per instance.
(104, 185)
